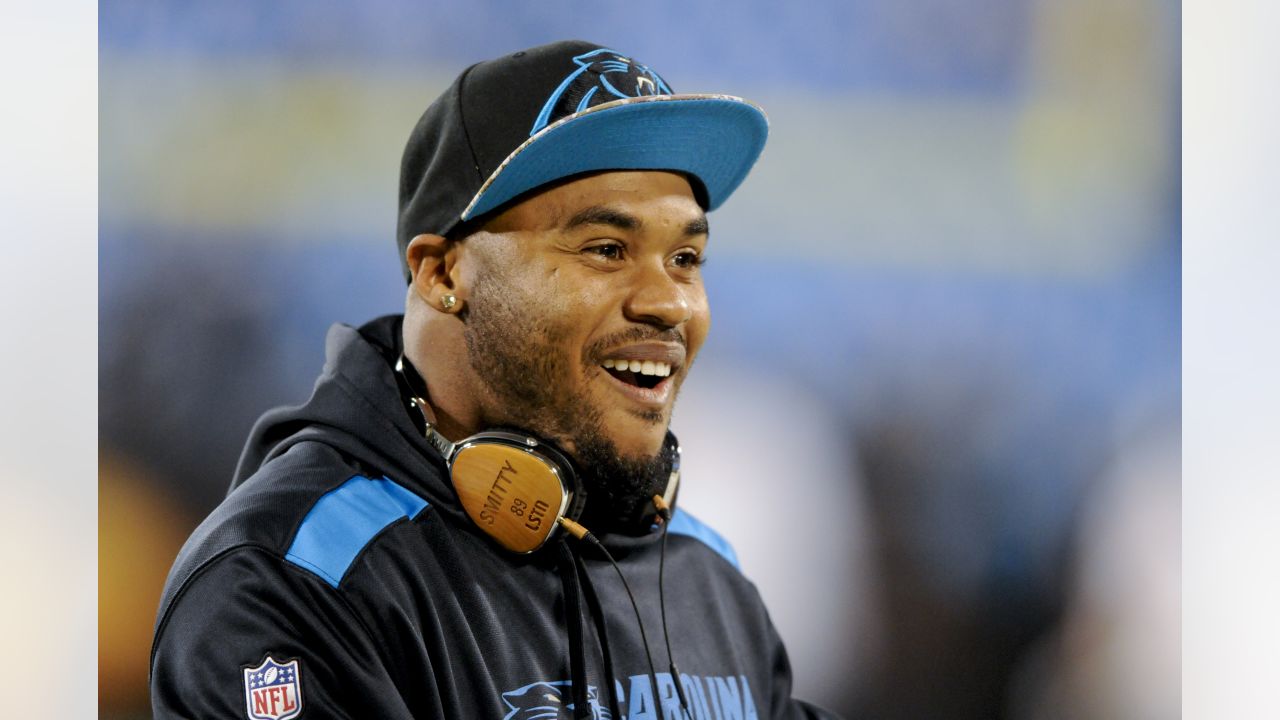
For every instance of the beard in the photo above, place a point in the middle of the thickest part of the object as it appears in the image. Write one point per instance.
(619, 490)
(525, 363)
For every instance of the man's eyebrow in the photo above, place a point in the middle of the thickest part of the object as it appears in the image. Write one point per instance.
(697, 227)
(603, 215)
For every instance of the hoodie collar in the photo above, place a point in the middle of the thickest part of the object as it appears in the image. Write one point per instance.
(356, 407)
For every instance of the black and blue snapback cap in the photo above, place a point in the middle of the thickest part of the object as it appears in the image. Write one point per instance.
(511, 125)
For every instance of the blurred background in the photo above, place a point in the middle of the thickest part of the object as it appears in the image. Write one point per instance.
(945, 360)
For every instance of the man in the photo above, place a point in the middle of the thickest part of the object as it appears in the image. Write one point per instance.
(470, 516)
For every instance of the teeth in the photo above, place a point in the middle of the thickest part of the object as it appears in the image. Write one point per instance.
(645, 367)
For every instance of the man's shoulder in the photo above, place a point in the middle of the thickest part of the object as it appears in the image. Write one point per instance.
(291, 559)
(309, 509)
(685, 524)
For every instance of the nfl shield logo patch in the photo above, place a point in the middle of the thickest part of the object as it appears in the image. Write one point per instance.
(273, 690)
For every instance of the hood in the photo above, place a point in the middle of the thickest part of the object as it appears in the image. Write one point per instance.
(356, 408)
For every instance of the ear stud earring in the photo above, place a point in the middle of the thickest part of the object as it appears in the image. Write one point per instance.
(448, 300)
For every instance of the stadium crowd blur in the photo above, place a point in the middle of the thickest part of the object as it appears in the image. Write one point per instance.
(944, 369)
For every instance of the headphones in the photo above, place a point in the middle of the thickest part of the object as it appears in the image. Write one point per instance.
(517, 488)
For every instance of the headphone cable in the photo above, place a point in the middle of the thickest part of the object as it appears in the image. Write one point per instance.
(602, 631)
(573, 612)
(664, 512)
(582, 533)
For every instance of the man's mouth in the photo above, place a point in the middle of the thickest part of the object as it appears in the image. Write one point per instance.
(640, 373)
(645, 372)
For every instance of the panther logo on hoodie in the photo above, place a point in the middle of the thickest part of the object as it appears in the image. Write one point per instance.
(549, 701)
(602, 76)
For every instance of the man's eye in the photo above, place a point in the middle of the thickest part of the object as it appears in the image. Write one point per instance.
(609, 252)
(688, 259)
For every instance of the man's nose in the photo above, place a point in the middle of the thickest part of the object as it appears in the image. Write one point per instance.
(657, 298)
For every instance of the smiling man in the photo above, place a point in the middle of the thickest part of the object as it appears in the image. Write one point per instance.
(562, 294)
(474, 514)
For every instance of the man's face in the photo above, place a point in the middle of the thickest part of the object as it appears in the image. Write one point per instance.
(575, 283)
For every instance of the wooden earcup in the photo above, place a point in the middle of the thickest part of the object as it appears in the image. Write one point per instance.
(514, 488)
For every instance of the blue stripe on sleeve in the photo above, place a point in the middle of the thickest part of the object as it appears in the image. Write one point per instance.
(344, 520)
(682, 523)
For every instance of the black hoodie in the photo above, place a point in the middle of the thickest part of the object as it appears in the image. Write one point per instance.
(341, 579)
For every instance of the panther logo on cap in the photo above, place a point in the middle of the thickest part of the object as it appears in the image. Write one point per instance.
(602, 76)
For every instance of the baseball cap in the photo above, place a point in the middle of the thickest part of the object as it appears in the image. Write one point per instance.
(511, 125)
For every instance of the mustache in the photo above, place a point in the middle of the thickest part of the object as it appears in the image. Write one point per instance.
(596, 350)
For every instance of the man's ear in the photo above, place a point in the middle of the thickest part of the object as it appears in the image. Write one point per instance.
(431, 260)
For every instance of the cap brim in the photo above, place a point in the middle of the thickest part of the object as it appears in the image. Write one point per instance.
(715, 138)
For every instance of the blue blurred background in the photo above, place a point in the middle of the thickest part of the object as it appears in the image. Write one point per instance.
(938, 414)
